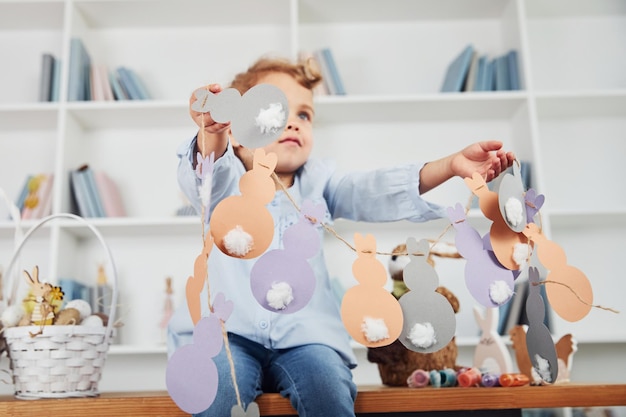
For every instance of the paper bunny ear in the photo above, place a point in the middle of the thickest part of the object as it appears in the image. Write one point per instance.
(365, 245)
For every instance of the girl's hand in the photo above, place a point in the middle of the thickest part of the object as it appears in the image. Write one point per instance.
(204, 120)
(486, 158)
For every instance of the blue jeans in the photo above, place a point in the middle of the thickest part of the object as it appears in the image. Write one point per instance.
(313, 377)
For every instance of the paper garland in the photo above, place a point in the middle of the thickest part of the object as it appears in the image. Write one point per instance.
(282, 281)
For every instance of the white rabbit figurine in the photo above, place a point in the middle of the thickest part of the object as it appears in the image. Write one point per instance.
(491, 354)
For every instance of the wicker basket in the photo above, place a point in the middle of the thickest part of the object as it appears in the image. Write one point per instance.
(63, 361)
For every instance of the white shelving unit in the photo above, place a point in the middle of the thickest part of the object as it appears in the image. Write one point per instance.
(569, 120)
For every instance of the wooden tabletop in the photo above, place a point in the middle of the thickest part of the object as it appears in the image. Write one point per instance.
(371, 399)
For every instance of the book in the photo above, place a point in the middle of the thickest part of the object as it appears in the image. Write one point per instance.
(326, 77)
(479, 83)
(95, 201)
(472, 73)
(97, 90)
(45, 197)
(333, 71)
(79, 194)
(456, 72)
(46, 77)
(489, 81)
(110, 195)
(127, 82)
(106, 84)
(56, 81)
(21, 197)
(118, 91)
(80, 63)
(512, 61)
(100, 85)
(33, 197)
(502, 74)
(138, 83)
(75, 290)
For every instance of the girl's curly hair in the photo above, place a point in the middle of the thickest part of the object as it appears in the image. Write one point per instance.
(305, 72)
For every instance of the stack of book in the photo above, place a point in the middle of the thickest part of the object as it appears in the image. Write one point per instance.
(95, 194)
(323, 59)
(90, 81)
(472, 71)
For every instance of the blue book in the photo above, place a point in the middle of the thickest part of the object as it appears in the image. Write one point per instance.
(92, 190)
(74, 290)
(56, 80)
(513, 65)
(457, 71)
(141, 88)
(23, 193)
(334, 72)
(80, 64)
(126, 81)
(502, 73)
(489, 75)
(479, 84)
(118, 91)
(78, 190)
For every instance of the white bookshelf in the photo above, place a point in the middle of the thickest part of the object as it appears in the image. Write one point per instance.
(569, 120)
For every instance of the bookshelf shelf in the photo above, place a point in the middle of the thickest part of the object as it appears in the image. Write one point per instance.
(567, 120)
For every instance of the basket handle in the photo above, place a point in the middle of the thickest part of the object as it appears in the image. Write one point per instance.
(95, 231)
(16, 216)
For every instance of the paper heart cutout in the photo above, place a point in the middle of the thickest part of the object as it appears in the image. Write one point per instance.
(252, 411)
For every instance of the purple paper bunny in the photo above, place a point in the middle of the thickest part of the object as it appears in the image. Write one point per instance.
(191, 375)
(282, 280)
(489, 282)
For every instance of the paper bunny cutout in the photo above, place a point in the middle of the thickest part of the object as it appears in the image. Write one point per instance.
(282, 280)
(196, 282)
(241, 225)
(564, 302)
(491, 354)
(370, 314)
(489, 283)
(539, 341)
(257, 118)
(191, 374)
(429, 322)
(503, 239)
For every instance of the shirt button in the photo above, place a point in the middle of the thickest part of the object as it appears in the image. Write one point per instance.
(263, 324)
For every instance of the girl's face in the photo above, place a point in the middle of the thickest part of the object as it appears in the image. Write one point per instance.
(294, 146)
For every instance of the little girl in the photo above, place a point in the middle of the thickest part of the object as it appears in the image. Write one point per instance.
(305, 356)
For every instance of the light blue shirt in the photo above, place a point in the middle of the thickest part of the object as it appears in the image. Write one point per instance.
(381, 195)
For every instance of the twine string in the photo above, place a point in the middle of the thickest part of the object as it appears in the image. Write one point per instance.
(229, 355)
(547, 281)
